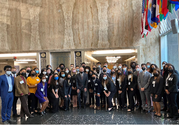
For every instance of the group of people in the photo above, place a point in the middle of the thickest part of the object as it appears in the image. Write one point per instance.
(97, 87)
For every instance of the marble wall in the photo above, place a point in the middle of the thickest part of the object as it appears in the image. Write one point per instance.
(61, 25)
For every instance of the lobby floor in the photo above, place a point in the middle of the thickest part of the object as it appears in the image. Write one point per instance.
(90, 116)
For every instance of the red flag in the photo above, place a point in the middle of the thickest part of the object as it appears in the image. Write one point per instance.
(164, 7)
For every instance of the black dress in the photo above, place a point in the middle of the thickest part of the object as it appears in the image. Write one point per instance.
(54, 101)
(73, 79)
(156, 88)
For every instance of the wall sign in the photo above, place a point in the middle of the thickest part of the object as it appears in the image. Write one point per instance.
(78, 58)
(43, 60)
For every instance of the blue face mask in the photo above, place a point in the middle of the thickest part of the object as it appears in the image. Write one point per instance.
(63, 75)
(148, 66)
(77, 70)
(56, 78)
(58, 70)
(37, 71)
(104, 78)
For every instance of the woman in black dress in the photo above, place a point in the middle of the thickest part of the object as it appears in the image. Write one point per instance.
(53, 93)
(74, 91)
(156, 87)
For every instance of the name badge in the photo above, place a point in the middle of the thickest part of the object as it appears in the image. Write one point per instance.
(129, 83)
(118, 79)
(89, 80)
(166, 84)
(170, 79)
(21, 82)
(42, 89)
(105, 88)
(69, 84)
(57, 83)
(46, 76)
(37, 79)
(153, 83)
(73, 81)
(96, 84)
(56, 90)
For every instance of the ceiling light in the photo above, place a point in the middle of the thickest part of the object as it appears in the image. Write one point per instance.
(18, 54)
(25, 60)
(112, 59)
(90, 57)
(115, 51)
(131, 58)
(20, 62)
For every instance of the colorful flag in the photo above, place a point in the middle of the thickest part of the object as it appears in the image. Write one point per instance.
(149, 16)
(170, 7)
(164, 7)
(176, 2)
(155, 13)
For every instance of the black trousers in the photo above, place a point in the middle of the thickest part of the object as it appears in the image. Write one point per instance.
(54, 102)
(84, 96)
(67, 101)
(173, 104)
(138, 97)
(178, 99)
(91, 96)
(165, 100)
(109, 99)
(32, 102)
(102, 97)
(131, 95)
(14, 107)
(121, 99)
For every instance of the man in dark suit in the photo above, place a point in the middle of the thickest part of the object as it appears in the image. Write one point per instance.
(7, 96)
(81, 85)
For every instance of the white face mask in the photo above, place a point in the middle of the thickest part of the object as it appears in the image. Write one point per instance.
(67, 71)
(87, 70)
(163, 65)
(43, 80)
(119, 67)
(8, 73)
(137, 69)
(44, 73)
(114, 67)
(55, 72)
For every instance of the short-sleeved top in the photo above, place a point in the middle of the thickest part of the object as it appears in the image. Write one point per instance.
(33, 81)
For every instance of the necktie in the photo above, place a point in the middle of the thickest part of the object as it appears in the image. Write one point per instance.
(82, 76)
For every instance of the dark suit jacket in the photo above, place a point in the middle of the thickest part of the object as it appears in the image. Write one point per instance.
(39, 93)
(81, 83)
(67, 87)
(4, 86)
(173, 83)
(132, 84)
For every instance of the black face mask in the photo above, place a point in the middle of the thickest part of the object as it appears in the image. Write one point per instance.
(153, 68)
(156, 74)
(28, 71)
(119, 73)
(90, 74)
(62, 68)
(33, 74)
(23, 74)
(143, 68)
(104, 70)
(81, 72)
(170, 70)
(69, 78)
(129, 72)
(94, 68)
(166, 69)
(14, 72)
(93, 78)
(133, 66)
(83, 66)
(112, 72)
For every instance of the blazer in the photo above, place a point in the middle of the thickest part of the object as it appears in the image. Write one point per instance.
(81, 83)
(67, 87)
(4, 86)
(143, 81)
(132, 84)
(158, 87)
(172, 83)
(97, 86)
(21, 87)
(110, 86)
(39, 93)
(123, 85)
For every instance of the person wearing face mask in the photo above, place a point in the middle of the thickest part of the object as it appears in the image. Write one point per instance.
(41, 94)
(77, 69)
(22, 91)
(133, 65)
(143, 84)
(124, 69)
(107, 70)
(53, 93)
(43, 72)
(58, 70)
(15, 98)
(62, 77)
(28, 70)
(91, 90)
(6, 89)
(74, 90)
(49, 67)
(97, 90)
(121, 84)
(83, 65)
(67, 71)
(171, 89)
(156, 87)
(148, 66)
(81, 85)
(131, 88)
(137, 96)
(37, 71)
(152, 67)
(109, 90)
(32, 82)
(104, 71)
(99, 65)
(48, 73)
(94, 69)
(62, 67)
(115, 67)
(162, 70)
(67, 91)
(113, 77)
(120, 66)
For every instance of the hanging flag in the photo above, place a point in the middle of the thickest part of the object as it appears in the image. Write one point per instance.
(155, 13)
(176, 2)
(164, 7)
(149, 16)
(170, 6)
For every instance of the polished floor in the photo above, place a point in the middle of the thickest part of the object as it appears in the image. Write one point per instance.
(90, 116)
